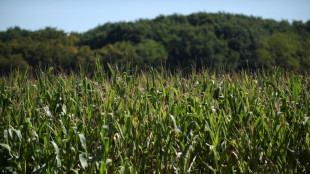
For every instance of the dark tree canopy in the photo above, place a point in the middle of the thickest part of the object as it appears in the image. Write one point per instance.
(205, 39)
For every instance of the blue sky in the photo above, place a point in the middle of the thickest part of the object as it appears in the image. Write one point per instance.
(82, 15)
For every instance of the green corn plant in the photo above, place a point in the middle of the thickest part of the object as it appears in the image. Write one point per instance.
(121, 120)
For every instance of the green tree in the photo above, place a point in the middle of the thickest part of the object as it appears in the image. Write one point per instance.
(305, 54)
(13, 33)
(84, 57)
(280, 49)
(204, 39)
(150, 52)
(119, 52)
(14, 61)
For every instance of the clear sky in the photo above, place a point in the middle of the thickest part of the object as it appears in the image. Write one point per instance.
(82, 15)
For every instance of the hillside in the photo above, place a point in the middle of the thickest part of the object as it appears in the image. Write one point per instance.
(206, 39)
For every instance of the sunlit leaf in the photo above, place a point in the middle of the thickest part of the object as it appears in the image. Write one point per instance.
(83, 161)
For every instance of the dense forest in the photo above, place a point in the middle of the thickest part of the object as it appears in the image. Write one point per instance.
(214, 40)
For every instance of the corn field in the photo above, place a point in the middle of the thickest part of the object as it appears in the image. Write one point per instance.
(122, 121)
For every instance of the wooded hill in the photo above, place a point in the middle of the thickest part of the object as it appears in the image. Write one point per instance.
(204, 39)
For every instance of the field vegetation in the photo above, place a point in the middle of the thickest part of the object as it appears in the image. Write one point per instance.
(123, 120)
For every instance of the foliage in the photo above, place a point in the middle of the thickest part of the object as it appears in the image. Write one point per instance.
(119, 52)
(151, 52)
(214, 40)
(123, 121)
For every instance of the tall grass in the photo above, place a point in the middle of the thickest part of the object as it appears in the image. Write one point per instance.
(155, 122)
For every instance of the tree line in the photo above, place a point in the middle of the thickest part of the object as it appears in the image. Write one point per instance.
(212, 40)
